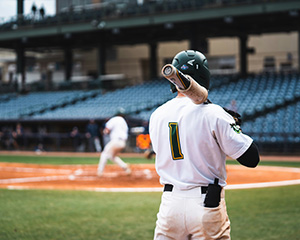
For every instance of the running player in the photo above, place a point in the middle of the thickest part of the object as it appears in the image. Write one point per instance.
(117, 129)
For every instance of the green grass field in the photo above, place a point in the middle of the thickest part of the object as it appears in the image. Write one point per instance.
(63, 160)
(94, 160)
(260, 214)
(255, 214)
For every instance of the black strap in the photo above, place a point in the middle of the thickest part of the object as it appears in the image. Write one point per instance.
(169, 188)
(204, 190)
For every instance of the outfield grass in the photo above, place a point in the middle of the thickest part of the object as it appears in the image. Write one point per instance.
(76, 215)
(59, 160)
(260, 214)
(265, 214)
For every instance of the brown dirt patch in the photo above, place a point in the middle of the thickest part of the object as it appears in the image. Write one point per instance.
(83, 177)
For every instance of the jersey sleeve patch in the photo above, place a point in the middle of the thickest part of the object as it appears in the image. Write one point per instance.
(236, 128)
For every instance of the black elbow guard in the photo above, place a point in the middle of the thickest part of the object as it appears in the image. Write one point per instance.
(251, 157)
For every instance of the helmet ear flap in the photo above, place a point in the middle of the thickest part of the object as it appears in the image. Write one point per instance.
(175, 61)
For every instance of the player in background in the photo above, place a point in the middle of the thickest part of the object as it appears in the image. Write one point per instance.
(117, 129)
(92, 136)
(191, 142)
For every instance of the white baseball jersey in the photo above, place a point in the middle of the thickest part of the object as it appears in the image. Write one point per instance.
(118, 128)
(191, 142)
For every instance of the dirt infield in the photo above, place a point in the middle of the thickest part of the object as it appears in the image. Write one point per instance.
(143, 177)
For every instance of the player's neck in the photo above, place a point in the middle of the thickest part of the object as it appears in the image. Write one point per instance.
(180, 95)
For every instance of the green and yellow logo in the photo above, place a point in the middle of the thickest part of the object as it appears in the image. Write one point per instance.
(236, 127)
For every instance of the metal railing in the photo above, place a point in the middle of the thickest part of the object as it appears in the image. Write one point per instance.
(117, 10)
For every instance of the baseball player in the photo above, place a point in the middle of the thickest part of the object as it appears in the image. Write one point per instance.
(191, 142)
(117, 129)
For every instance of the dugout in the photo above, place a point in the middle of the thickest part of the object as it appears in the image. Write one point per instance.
(56, 135)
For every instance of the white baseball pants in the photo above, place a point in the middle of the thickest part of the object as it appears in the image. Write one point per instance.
(182, 216)
(110, 151)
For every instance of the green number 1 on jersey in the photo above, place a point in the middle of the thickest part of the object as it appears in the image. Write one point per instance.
(174, 141)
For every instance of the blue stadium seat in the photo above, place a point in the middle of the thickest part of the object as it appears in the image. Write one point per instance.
(259, 94)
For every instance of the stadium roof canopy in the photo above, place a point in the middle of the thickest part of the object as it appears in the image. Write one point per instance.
(156, 22)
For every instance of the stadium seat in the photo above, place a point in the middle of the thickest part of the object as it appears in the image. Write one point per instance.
(269, 102)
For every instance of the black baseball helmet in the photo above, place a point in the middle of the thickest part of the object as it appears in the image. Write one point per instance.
(192, 63)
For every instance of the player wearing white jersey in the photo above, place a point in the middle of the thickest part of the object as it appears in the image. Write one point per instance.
(191, 143)
(117, 129)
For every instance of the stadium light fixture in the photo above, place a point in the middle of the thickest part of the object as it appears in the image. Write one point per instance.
(169, 25)
(101, 25)
(228, 19)
(116, 30)
(294, 13)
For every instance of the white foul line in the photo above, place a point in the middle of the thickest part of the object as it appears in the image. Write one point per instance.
(263, 184)
(228, 187)
(35, 170)
(160, 189)
(33, 179)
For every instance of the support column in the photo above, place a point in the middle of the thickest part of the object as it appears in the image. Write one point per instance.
(198, 43)
(68, 63)
(153, 60)
(20, 52)
(299, 50)
(243, 55)
(101, 59)
(20, 9)
(21, 67)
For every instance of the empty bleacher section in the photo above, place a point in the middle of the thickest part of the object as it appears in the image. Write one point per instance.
(269, 105)
(133, 99)
(270, 108)
(7, 97)
(138, 101)
(25, 106)
(281, 125)
(259, 94)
